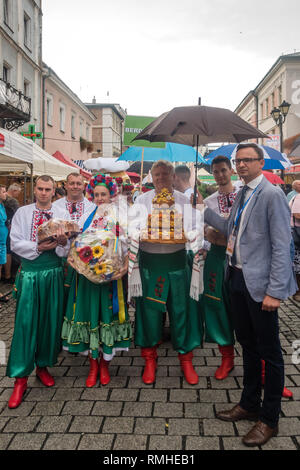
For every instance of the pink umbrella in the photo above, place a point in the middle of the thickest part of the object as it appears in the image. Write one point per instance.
(274, 179)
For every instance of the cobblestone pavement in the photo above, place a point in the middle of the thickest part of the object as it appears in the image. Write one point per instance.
(129, 415)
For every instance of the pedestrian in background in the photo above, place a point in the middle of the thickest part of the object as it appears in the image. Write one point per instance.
(295, 222)
(182, 180)
(293, 192)
(11, 206)
(59, 194)
(3, 234)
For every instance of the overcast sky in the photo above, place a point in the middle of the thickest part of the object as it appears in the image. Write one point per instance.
(152, 55)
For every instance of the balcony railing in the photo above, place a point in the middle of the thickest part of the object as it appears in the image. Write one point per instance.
(15, 107)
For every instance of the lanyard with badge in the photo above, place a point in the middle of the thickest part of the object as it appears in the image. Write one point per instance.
(232, 237)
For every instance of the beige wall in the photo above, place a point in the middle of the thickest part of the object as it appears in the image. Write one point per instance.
(282, 83)
(55, 138)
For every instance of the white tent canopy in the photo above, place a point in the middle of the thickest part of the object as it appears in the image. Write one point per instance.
(14, 148)
(17, 154)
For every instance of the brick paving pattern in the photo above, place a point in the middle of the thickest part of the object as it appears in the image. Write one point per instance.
(129, 415)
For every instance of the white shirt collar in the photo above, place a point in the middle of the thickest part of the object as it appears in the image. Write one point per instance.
(254, 183)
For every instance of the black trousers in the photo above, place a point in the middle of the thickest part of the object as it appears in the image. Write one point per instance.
(258, 333)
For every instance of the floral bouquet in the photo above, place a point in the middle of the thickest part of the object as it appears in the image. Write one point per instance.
(98, 253)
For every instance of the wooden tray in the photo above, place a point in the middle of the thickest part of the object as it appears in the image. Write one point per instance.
(175, 241)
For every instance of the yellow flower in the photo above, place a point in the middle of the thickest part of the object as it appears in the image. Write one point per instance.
(98, 252)
(100, 268)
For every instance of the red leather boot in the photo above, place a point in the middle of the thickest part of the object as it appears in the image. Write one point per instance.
(187, 368)
(150, 356)
(20, 388)
(104, 372)
(93, 373)
(286, 393)
(44, 376)
(227, 362)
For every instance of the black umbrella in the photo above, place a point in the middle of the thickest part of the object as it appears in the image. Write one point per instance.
(136, 167)
(194, 125)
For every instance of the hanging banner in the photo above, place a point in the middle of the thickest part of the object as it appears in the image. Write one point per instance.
(133, 126)
(273, 141)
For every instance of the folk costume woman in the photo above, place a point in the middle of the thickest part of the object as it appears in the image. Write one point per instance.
(96, 315)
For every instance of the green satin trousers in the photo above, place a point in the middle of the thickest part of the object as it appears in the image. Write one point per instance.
(39, 315)
(214, 304)
(185, 321)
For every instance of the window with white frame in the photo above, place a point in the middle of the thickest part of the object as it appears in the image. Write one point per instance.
(49, 110)
(62, 117)
(27, 30)
(279, 95)
(7, 12)
(87, 132)
(267, 107)
(26, 88)
(73, 118)
(6, 73)
(81, 128)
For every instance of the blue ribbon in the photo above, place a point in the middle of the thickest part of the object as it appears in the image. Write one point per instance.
(115, 301)
(89, 220)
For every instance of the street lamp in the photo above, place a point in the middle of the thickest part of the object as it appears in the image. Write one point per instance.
(279, 115)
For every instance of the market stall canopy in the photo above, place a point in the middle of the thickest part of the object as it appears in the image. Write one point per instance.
(17, 154)
(67, 161)
(46, 164)
(14, 148)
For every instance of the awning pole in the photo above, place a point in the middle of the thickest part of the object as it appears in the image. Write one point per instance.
(31, 180)
(25, 178)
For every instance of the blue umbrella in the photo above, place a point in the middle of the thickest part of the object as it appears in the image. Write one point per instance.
(274, 160)
(172, 153)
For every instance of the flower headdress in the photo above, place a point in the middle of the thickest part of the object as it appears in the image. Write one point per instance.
(127, 187)
(102, 180)
(147, 187)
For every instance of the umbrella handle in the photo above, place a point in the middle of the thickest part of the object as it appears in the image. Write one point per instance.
(142, 170)
(195, 194)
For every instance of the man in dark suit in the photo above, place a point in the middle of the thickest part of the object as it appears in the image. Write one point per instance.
(259, 269)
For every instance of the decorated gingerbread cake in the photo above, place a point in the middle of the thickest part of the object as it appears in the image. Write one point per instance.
(48, 230)
(165, 223)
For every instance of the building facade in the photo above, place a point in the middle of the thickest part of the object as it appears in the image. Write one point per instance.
(282, 82)
(108, 129)
(20, 63)
(67, 122)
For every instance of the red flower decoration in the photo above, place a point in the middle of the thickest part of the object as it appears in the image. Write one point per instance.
(119, 180)
(86, 254)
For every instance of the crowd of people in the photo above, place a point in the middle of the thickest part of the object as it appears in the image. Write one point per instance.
(240, 262)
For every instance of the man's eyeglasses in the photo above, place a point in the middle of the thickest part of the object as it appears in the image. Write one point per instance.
(238, 161)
